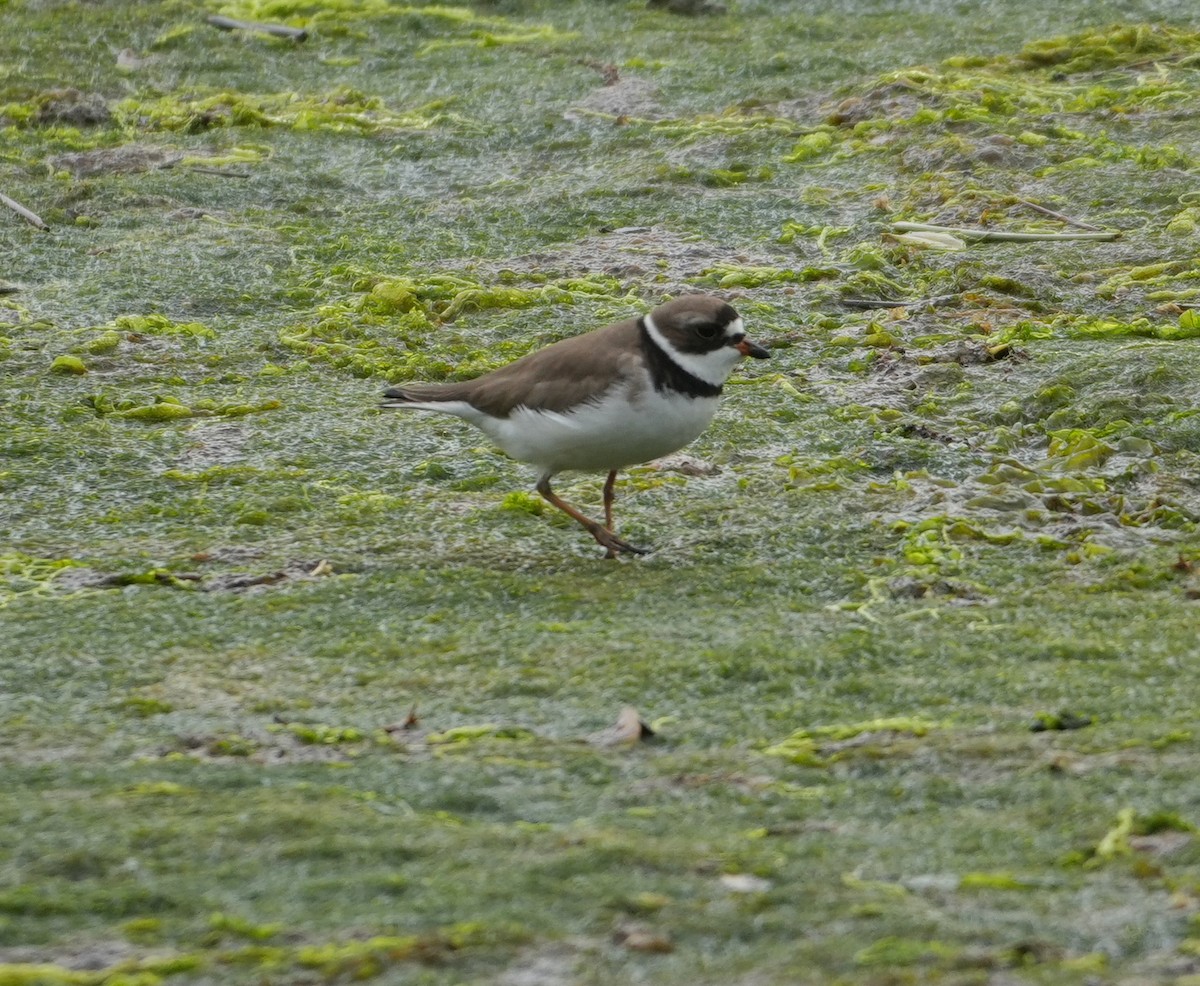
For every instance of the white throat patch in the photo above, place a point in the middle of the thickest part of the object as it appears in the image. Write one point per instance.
(713, 367)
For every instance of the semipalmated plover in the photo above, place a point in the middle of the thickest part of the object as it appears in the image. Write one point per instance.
(610, 398)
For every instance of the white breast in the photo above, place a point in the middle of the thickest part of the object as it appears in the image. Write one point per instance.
(631, 424)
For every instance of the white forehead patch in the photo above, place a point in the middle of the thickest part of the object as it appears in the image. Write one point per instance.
(735, 328)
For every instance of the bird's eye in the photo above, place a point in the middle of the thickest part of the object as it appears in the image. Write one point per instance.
(707, 330)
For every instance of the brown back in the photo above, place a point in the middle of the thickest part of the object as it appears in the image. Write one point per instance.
(557, 378)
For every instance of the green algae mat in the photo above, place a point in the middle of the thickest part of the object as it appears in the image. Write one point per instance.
(296, 691)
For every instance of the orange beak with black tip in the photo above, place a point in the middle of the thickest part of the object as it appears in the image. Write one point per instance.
(748, 348)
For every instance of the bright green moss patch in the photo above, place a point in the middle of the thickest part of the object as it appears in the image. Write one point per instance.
(345, 112)
(730, 276)
(68, 365)
(811, 146)
(106, 342)
(391, 327)
(169, 408)
(458, 26)
(732, 123)
(814, 747)
(320, 734)
(232, 746)
(144, 705)
(150, 972)
(524, 503)
(232, 924)
(994, 881)
(367, 959)
(460, 735)
(20, 573)
(356, 959)
(1110, 47)
(164, 410)
(444, 297)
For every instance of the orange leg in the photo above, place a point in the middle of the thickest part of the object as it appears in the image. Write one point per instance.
(603, 535)
(609, 495)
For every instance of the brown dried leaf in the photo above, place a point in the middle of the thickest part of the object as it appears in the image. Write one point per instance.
(639, 938)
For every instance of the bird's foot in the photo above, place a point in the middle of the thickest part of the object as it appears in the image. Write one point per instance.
(614, 545)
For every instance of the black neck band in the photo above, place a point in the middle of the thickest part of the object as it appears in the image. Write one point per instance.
(669, 375)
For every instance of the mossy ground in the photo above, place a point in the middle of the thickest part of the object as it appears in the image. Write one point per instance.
(955, 515)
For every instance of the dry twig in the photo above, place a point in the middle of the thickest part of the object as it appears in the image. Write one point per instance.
(30, 217)
(868, 304)
(1000, 235)
(277, 30)
(1059, 216)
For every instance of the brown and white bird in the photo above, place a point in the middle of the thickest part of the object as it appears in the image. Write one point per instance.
(607, 399)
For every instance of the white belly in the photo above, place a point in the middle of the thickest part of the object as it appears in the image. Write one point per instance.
(612, 434)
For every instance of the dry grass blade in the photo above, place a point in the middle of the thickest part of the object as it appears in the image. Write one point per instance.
(1001, 236)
